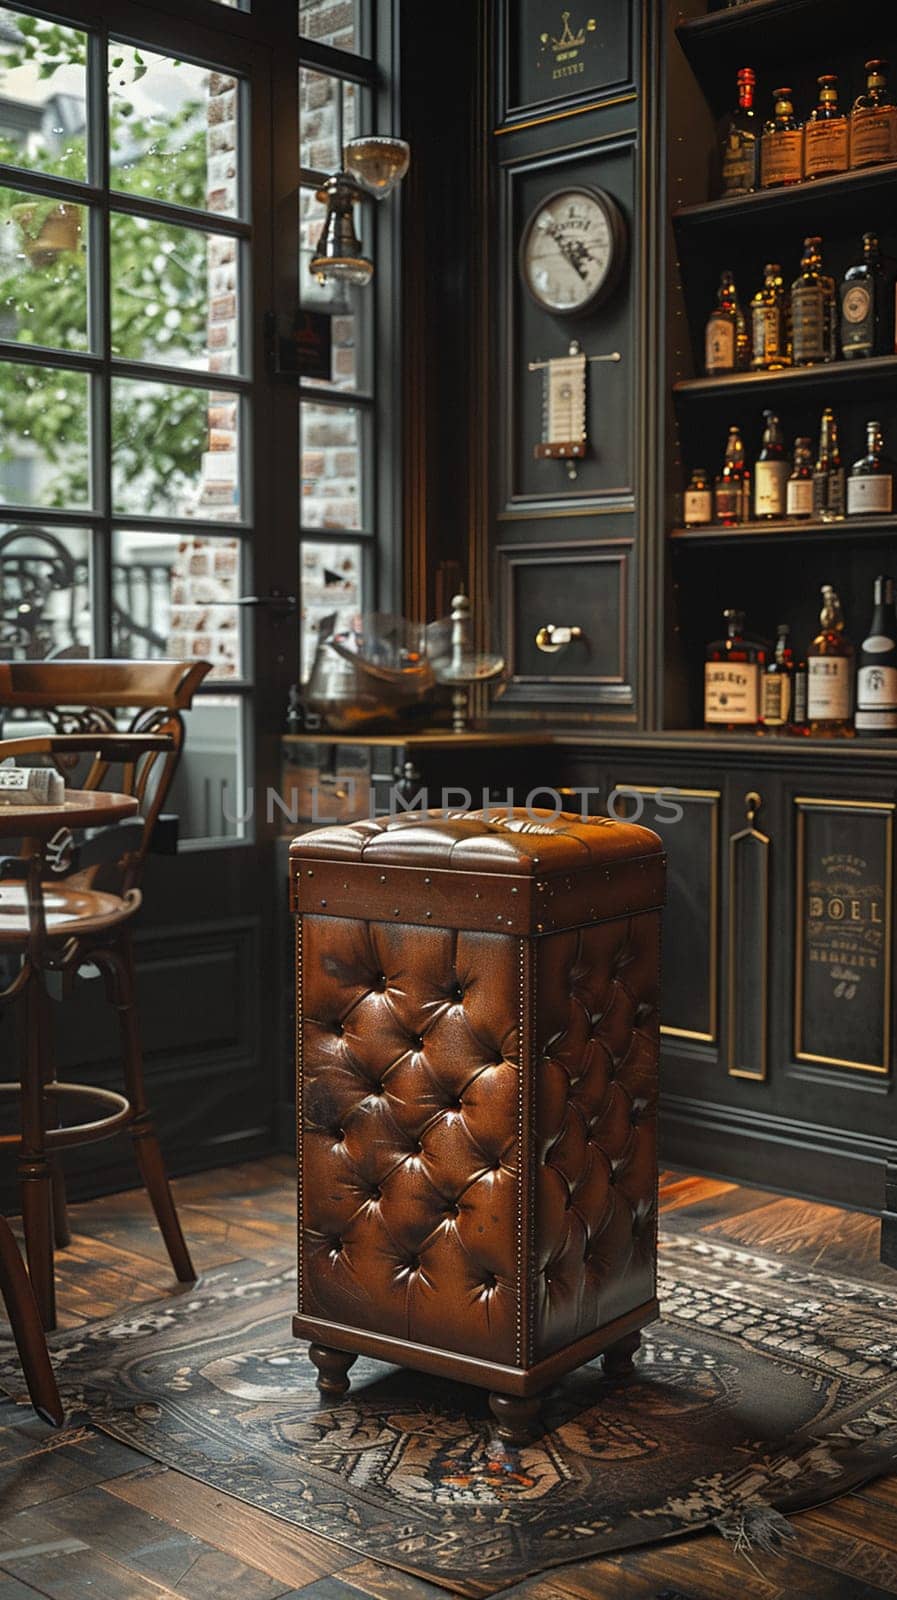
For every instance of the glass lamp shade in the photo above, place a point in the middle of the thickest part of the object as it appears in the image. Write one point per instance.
(377, 164)
(339, 255)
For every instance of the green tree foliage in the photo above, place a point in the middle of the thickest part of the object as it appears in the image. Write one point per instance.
(158, 294)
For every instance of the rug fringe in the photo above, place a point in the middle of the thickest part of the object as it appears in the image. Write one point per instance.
(755, 1528)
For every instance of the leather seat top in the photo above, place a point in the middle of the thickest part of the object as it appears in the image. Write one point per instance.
(523, 842)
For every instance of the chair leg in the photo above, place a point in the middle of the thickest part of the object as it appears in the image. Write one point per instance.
(34, 1168)
(146, 1145)
(62, 1233)
(25, 1322)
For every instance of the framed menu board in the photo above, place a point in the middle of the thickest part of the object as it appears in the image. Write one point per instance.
(554, 52)
(843, 945)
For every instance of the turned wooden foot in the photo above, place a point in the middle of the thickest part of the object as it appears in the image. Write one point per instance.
(518, 1419)
(618, 1357)
(333, 1368)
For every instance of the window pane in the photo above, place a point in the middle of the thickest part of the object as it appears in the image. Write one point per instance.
(173, 130)
(44, 457)
(44, 593)
(344, 354)
(174, 294)
(331, 581)
(174, 450)
(331, 467)
(209, 792)
(42, 107)
(336, 22)
(175, 597)
(322, 101)
(43, 271)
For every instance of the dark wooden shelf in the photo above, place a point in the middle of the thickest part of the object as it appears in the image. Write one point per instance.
(824, 375)
(849, 528)
(708, 742)
(827, 200)
(776, 33)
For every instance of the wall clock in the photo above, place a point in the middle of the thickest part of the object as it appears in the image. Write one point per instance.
(573, 250)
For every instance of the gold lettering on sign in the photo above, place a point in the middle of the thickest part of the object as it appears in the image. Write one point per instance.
(563, 51)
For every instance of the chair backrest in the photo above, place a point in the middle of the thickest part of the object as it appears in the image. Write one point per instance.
(88, 697)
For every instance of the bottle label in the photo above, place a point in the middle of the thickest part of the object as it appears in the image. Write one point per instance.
(801, 497)
(782, 157)
(719, 345)
(770, 488)
(731, 691)
(800, 697)
(776, 705)
(857, 318)
(877, 686)
(808, 322)
(698, 507)
(873, 135)
(870, 495)
(828, 688)
(836, 492)
(825, 147)
(766, 335)
(739, 162)
(729, 502)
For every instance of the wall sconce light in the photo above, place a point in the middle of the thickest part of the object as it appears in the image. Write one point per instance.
(373, 167)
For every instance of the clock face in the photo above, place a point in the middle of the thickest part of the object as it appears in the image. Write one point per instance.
(572, 249)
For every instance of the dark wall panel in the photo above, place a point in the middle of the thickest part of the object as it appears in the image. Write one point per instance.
(551, 54)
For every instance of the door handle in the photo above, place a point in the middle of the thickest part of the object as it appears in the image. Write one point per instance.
(550, 639)
(281, 605)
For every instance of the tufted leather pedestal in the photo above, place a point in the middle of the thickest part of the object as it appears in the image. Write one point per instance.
(477, 1006)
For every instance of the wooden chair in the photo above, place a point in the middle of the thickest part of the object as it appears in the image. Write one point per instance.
(85, 917)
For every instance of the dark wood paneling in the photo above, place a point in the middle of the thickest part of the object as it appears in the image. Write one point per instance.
(567, 584)
(551, 56)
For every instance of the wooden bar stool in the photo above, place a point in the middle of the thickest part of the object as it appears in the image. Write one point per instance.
(85, 918)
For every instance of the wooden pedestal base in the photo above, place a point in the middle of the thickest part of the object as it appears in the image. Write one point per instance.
(517, 1418)
(333, 1368)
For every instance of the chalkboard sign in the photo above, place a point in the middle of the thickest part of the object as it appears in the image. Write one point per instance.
(842, 1001)
(557, 51)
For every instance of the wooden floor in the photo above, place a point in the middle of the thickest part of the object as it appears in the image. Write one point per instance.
(82, 1516)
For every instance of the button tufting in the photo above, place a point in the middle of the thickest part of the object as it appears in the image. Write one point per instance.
(338, 1029)
(457, 992)
(375, 1194)
(381, 980)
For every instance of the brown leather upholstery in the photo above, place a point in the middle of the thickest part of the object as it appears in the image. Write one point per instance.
(477, 1108)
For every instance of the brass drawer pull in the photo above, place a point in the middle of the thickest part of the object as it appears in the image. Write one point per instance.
(550, 639)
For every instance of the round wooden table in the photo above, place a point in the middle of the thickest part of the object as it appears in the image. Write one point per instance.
(81, 808)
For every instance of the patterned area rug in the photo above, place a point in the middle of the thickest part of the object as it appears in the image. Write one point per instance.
(765, 1386)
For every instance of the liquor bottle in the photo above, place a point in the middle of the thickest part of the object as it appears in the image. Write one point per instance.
(830, 671)
(873, 120)
(771, 471)
(776, 699)
(828, 474)
(870, 487)
(741, 142)
(826, 134)
(799, 501)
(732, 487)
(865, 322)
(877, 677)
(782, 145)
(699, 499)
(799, 723)
(769, 323)
(808, 309)
(721, 333)
(732, 671)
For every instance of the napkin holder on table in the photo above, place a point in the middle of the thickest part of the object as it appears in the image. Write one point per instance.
(31, 786)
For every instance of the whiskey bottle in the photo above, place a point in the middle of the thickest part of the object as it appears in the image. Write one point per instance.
(830, 671)
(809, 330)
(865, 323)
(873, 120)
(828, 474)
(732, 487)
(877, 676)
(771, 471)
(769, 330)
(777, 696)
(741, 141)
(782, 145)
(826, 135)
(732, 671)
(698, 511)
(721, 333)
(800, 494)
(870, 487)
